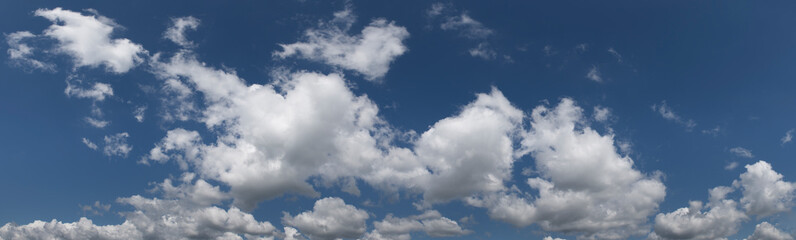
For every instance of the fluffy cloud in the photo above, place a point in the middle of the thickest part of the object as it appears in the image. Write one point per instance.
(431, 222)
(766, 231)
(369, 53)
(176, 33)
(666, 112)
(87, 39)
(116, 145)
(178, 216)
(274, 136)
(764, 191)
(330, 218)
(584, 185)
(22, 54)
(721, 220)
(764, 194)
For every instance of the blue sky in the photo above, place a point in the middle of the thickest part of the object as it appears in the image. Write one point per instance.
(397, 120)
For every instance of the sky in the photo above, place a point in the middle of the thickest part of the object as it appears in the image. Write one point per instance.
(397, 120)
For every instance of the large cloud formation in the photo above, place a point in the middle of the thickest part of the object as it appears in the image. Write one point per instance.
(266, 140)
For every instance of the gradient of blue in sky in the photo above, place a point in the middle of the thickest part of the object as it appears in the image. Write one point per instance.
(396, 119)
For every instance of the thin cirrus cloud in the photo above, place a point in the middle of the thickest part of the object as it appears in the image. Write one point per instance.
(667, 113)
(308, 129)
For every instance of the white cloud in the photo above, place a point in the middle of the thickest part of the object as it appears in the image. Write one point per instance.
(139, 112)
(88, 40)
(714, 131)
(788, 136)
(98, 92)
(116, 145)
(741, 152)
(601, 114)
(97, 123)
(731, 166)
(584, 185)
(431, 222)
(435, 10)
(483, 51)
(21, 54)
(97, 208)
(764, 194)
(764, 191)
(594, 74)
(616, 54)
(721, 220)
(666, 112)
(177, 216)
(466, 26)
(369, 53)
(330, 218)
(766, 231)
(176, 32)
(89, 144)
(552, 238)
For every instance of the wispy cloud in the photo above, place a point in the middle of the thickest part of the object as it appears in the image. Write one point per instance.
(788, 136)
(742, 152)
(667, 113)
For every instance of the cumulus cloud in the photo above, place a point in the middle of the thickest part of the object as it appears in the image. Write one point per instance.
(431, 222)
(173, 217)
(176, 32)
(87, 39)
(766, 231)
(764, 191)
(22, 54)
(330, 218)
(666, 112)
(116, 145)
(741, 152)
(721, 220)
(369, 53)
(584, 185)
(764, 194)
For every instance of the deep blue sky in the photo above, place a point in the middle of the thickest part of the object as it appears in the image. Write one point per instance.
(726, 65)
